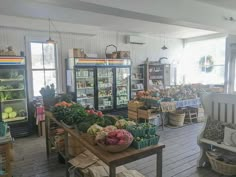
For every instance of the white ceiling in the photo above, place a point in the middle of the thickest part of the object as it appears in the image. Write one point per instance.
(152, 17)
(229, 4)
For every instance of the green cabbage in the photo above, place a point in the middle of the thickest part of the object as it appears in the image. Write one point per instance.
(4, 115)
(12, 115)
(8, 109)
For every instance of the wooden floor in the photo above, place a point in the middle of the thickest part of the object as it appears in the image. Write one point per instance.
(179, 158)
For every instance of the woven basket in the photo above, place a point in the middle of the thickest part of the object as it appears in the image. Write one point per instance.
(176, 119)
(221, 167)
(91, 140)
(112, 55)
(114, 148)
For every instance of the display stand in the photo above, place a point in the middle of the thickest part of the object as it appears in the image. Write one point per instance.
(5, 156)
(113, 160)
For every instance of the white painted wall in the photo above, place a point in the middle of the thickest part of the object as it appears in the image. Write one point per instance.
(19, 38)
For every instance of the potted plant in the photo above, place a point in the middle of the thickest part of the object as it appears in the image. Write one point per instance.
(48, 94)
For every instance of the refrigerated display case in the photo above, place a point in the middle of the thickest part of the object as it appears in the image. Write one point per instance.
(13, 91)
(122, 87)
(105, 88)
(85, 86)
(103, 84)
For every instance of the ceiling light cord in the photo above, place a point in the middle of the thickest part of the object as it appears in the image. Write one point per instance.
(49, 27)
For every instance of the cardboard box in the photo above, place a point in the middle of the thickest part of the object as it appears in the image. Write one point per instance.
(76, 52)
(123, 54)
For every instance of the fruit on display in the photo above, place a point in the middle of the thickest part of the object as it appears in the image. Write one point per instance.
(109, 128)
(94, 129)
(115, 137)
(122, 123)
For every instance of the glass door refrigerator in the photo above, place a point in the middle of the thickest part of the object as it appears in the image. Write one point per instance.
(13, 95)
(123, 85)
(105, 88)
(85, 84)
(103, 84)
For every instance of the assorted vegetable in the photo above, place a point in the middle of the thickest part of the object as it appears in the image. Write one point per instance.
(9, 113)
(94, 129)
(115, 137)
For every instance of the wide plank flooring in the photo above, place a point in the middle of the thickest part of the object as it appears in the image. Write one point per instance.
(179, 158)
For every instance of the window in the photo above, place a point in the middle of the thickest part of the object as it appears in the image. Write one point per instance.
(43, 59)
(203, 62)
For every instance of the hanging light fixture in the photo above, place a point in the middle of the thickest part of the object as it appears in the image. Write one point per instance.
(164, 46)
(50, 40)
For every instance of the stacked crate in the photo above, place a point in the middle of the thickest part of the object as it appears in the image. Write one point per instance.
(5, 166)
(133, 107)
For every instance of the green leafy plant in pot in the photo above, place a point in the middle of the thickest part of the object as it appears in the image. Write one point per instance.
(48, 94)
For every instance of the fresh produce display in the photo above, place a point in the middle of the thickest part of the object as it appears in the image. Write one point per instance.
(9, 113)
(75, 114)
(109, 128)
(94, 129)
(177, 93)
(4, 115)
(8, 110)
(116, 137)
(122, 123)
(69, 113)
(144, 135)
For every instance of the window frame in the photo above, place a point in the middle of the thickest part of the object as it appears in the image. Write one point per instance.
(43, 69)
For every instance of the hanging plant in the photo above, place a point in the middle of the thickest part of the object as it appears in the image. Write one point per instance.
(206, 64)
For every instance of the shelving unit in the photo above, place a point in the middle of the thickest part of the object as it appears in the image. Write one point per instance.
(158, 74)
(13, 95)
(138, 79)
(108, 81)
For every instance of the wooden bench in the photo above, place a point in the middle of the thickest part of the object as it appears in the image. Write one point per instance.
(221, 107)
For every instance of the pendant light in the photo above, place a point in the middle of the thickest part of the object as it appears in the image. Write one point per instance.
(164, 46)
(50, 40)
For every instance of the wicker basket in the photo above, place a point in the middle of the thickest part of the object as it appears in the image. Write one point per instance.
(112, 55)
(91, 140)
(114, 148)
(176, 119)
(221, 167)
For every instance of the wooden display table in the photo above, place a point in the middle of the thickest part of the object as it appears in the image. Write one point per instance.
(113, 160)
(5, 156)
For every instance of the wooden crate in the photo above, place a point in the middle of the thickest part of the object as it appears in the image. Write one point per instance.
(5, 162)
(133, 106)
(132, 115)
(76, 52)
(147, 114)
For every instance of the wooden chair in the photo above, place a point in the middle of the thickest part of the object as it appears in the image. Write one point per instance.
(221, 107)
(191, 114)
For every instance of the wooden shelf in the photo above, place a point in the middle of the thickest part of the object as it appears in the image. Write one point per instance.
(14, 119)
(84, 98)
(84, 88)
